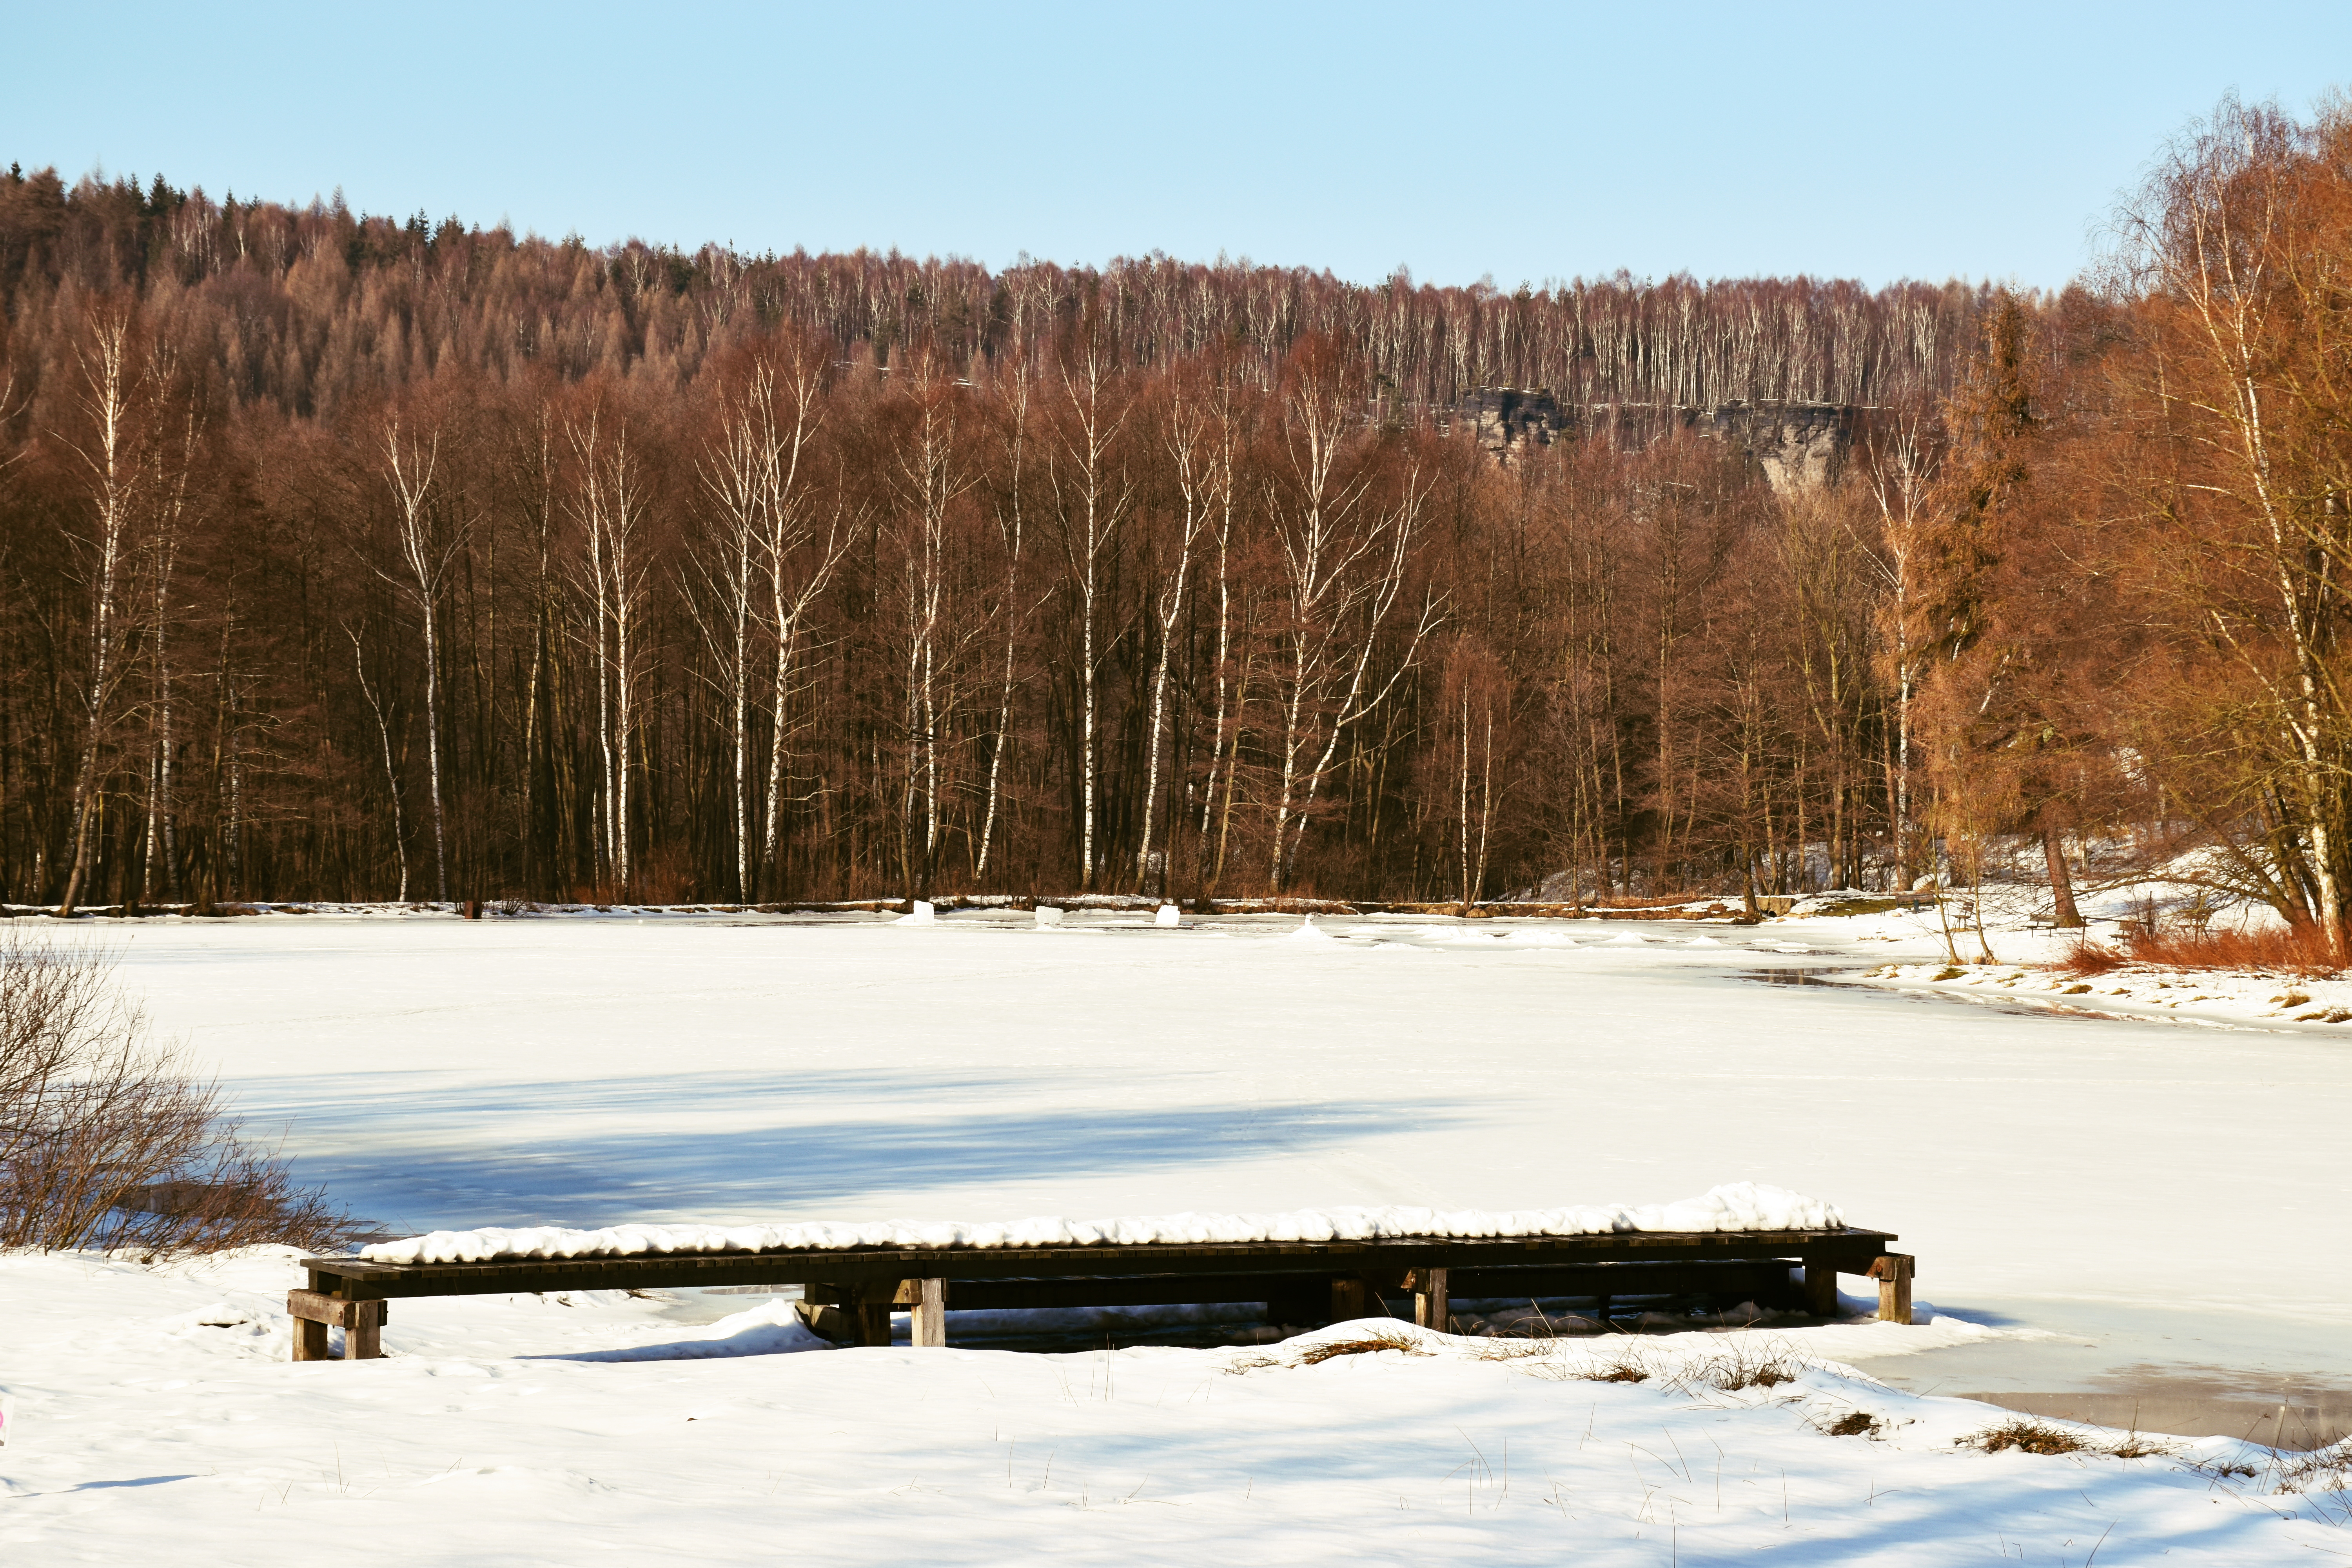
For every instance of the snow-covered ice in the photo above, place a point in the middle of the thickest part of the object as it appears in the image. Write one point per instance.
(2175, 1195)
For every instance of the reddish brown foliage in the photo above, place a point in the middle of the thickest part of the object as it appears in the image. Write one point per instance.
(2299, 949)
(2087, 959)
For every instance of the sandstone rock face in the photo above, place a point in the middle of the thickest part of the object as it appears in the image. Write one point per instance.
(1797, 445)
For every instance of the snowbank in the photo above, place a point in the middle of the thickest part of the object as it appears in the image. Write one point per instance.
(1738, 1206)
(773, 1327)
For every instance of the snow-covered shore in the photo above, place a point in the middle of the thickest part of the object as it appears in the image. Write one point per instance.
(153, 1415)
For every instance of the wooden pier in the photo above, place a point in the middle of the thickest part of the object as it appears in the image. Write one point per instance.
(1304, 1283)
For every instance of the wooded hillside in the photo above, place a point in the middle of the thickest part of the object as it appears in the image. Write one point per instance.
(344, 557)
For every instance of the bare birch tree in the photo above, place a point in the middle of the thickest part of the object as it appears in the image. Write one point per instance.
(427, 548)
(609, 502)
(1190, 437)
(2236, 250)
(1092, 496)
(174, 461)
(1342, 571)
(1901, 477)
(799, 562)
(1008, 609)
(108, 450)
(929, 475)
(390, 773)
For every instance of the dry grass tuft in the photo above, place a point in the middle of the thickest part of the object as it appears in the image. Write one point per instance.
(1368, 1344)
(2321, 1470)
(1855, 1423)
(1514, 1348)
(2028, 1434)
(1327, 1350)
(1628, 1365)
(1750, 1366)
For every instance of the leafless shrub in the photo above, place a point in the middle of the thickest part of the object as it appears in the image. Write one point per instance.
(107, 1139)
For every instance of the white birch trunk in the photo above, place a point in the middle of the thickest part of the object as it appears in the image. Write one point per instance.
(426, 561)
(105, 397)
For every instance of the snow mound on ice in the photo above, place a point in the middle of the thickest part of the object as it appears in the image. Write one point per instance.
(219, 1315)
(1309, 932)
(1168, 915)
(1735, 1206)
(922, 914)
(772, 1329)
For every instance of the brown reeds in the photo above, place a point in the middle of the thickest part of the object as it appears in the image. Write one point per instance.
(2087, 960)
(2298, 950)
(2301, 951)
(108, 1141)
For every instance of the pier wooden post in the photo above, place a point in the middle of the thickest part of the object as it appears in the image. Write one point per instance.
(931, 1313)
(1820, 1288)
(1429, 1307)
(362, 1323)
(871, 1315)
(364, 1334)
(1350, 1298)
(1893, 1273)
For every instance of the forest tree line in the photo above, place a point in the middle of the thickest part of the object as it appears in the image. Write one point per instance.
(347, 558)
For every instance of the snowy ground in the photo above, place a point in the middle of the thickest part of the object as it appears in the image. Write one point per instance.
(2094, 1201)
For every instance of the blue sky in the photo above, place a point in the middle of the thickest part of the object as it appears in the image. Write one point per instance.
(1524, 143)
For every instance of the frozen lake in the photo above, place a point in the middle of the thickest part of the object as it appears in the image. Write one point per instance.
(2168, 1202)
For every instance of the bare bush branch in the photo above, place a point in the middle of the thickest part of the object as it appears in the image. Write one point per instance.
(108, 1141)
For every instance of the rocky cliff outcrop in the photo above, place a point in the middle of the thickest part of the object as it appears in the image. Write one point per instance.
(1796, 445)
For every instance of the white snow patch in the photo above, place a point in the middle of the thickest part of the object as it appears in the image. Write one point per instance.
(1735, 1206)
(773, 1327)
